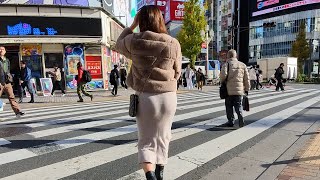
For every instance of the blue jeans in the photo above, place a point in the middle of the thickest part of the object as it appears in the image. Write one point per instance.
(236, 103)
(29, 87)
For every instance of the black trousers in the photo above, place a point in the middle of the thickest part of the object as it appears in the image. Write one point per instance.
(279, 85)
(123, 83)
(56, 85)
(115, 89)
(233, 102)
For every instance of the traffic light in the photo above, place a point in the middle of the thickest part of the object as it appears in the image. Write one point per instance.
(269, 25)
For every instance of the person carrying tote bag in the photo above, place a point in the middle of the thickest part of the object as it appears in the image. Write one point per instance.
(156, 67)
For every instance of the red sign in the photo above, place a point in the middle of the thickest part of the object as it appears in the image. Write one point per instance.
(177, 10)
(94, 66)
(162, 5)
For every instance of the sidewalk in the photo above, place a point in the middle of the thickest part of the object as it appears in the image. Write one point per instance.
(306, 163)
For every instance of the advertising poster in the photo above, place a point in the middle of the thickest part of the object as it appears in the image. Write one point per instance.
(95, 85)
(46, 86)
(93, 65)
(72, 61)
(73, 55)
(30, 50)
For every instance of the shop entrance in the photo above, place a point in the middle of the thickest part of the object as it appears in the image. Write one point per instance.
(50, 60)
(13, 56)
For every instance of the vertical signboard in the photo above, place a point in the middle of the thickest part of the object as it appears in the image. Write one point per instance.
(108, 5)
(167, 15)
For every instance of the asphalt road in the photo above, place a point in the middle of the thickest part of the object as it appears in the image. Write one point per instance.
(98, 140)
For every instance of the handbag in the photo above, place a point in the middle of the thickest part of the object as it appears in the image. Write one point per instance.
(245, 103)
(134, 98)
(223, 91)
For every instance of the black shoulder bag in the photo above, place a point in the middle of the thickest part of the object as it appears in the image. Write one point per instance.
(223, 88)
(134, 98)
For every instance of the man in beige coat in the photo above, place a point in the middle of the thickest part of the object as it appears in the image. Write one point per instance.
(238, 84)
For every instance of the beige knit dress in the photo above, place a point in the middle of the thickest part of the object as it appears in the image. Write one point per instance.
(155, 115)
(156, 67)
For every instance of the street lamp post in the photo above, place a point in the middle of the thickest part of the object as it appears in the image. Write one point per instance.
(208, 35)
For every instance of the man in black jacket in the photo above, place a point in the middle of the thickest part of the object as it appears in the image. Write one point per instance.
(278, 76)
(6, 80)
(114, 76)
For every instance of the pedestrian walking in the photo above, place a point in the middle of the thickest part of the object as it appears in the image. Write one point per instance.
(258, 83)
(114, 76)
(238, 84)
(57, 80)
(200, 79)
(278, 76)
(260, 78)
(188, 75)
(81, 85)
(5, 82)
(25, 77)
(253, 78)
(123, 77)
(156, 67)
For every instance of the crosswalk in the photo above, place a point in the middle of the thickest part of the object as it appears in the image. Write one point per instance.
(98, 140)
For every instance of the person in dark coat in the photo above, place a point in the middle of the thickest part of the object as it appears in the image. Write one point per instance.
(278, 76)
(25, 77)
(114, 76)
(123, 77)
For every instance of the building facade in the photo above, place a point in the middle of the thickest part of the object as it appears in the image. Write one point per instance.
(287, 16)
(64, 34)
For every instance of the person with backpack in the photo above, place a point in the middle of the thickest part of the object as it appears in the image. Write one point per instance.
(82, 80)
(114, 76)
(123, 77)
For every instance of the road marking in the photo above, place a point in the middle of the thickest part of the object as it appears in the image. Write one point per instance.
(101, 157)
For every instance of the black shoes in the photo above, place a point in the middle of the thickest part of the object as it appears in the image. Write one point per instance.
(150, 175)
(81, 100)
(159, 172)
(19, 114)
(32, 101)
(226, 125)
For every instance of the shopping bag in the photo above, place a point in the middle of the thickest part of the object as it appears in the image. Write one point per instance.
(245, 103)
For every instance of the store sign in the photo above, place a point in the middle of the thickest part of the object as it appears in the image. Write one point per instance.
(162, 5)
(94, 66)
(271, 6)
(84, 3)
(108, 5)
(49, 26)
(23, 29)
(141, 3)
(167, 15)
(177, 10)
(264, 3)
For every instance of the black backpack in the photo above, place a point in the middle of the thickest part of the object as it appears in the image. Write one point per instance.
(113, 77)
(86, 77)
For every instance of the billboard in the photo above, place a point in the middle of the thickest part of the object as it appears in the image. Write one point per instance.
(85, 3)
(269, 7)
(174, 10)
(19, 26)
(141, 3)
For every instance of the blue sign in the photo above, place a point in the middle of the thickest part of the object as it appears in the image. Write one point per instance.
(26, 29)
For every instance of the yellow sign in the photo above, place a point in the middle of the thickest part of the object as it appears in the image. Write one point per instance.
(30, 50)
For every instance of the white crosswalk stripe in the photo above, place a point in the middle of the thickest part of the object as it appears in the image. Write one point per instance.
(61, 128)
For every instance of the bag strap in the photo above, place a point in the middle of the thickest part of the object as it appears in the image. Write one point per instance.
(227, 73)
